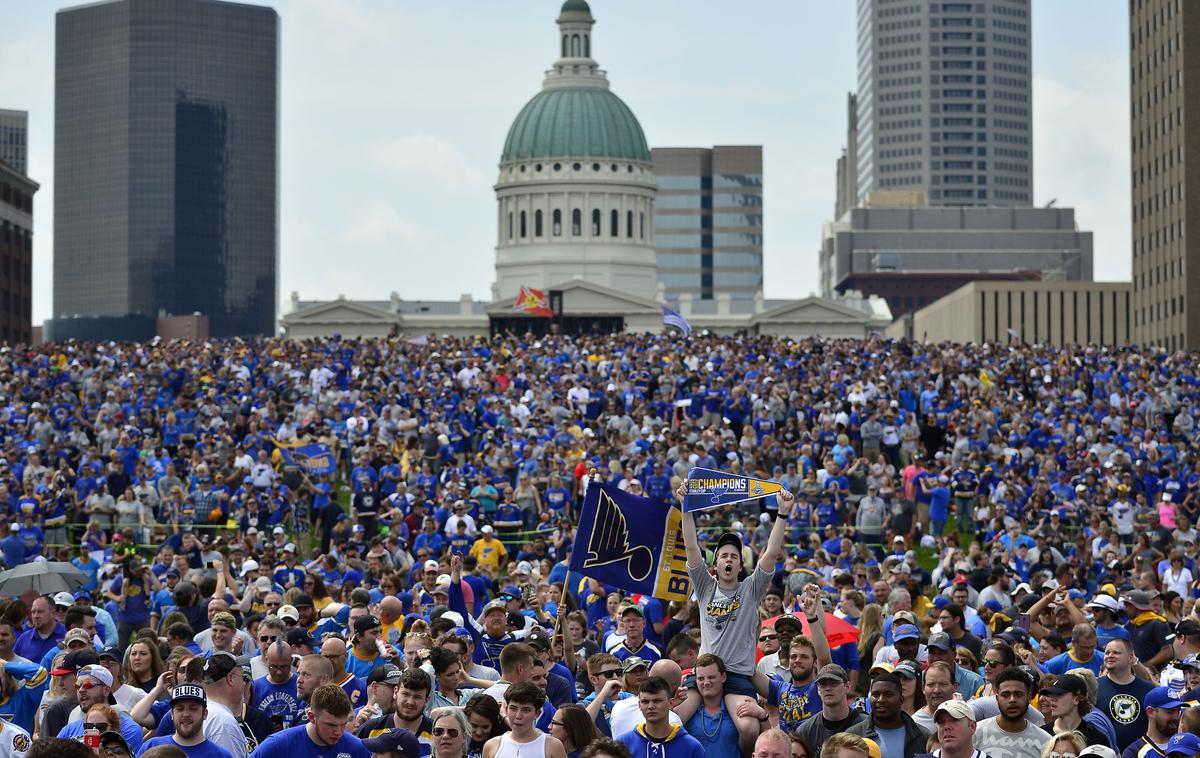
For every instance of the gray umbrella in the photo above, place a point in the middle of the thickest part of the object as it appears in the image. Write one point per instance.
(43, 577)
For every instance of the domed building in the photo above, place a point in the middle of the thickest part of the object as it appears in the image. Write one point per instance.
(575, 197)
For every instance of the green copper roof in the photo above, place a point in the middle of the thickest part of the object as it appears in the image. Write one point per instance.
(576, 122)
(579, 6)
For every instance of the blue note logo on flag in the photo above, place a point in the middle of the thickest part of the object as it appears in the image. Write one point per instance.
(631, 542)
(707, 488)
(315, 459)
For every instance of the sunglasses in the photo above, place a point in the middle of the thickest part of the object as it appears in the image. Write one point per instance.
(439, 731)
(86, 685)
(610, 674)
(992, 664)
(768, 637)
(100, 726)
(268, 638)
(1061, 755)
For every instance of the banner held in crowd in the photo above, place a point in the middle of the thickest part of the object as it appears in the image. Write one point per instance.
(315, 459)
(707, 488)
(631, 542)
(534, 302)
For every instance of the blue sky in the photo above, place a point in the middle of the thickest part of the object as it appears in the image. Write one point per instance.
(394, 113)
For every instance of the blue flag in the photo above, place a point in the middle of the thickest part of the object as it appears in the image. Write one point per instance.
(631, 542)
(676, 319)
(315, 459)
(712, 489)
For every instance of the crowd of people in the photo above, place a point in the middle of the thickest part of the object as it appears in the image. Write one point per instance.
(981, 551)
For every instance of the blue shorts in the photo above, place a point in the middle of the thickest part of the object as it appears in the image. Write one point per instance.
(735, 684)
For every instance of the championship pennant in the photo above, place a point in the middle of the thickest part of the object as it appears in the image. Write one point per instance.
(631, 542)
(712, 489)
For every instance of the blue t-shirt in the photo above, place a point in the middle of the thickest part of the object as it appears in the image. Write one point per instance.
(891, 741)
(206, 749)
(795, 702)
(295, 742)
(716, 734)
(277, 700)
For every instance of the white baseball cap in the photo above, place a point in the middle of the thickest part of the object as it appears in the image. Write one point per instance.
(248, 566)
(288, 612)
(289, 547)
(65, 599)
(278, 530)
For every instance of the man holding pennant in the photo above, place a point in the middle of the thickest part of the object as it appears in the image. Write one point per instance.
(729, 612)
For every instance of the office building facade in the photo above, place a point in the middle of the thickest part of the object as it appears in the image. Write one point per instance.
(1164, 91)
(14, 139)
(912, 256)
(708, 221)
(166, 169)
(16, 255)
(943, 103)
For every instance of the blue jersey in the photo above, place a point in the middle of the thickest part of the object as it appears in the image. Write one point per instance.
(795, 703)
(362, 667)
(277, 700)
(295, 742)
(22, 703)
(206, 749)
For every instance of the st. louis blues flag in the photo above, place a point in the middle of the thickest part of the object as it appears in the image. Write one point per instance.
(712, 489)
(631, 542)
(314, 459)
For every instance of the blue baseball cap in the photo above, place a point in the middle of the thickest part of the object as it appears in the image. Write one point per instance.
(1160, 697)
(941, 601)
(1184, 743)
(993, 606)
(905, 632)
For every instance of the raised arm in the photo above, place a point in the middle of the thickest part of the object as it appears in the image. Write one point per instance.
(695, 556)
(811, 603)
(766, 561)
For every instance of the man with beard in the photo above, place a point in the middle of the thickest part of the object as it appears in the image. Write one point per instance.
(189, 709)
(1009, 734)
(897, 735)
(411, 696)
(94, 686)
(797, 701)
(1162, 722)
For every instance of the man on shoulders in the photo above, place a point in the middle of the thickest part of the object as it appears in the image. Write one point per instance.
(188, 712)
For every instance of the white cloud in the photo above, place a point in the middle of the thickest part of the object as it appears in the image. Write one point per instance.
(378, 222)
(1080, 149)
(423, 157)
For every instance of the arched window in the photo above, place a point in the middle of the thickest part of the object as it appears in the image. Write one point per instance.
(537, 223)
(615, 231)
(564, 46)
(523, 232)
(510, 224)
(642, 224)
(575, 48)
(587, 46)
(629, 224)
(576, 222)
(556, 224)
(595, 222)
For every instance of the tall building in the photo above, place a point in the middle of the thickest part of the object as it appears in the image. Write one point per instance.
(708, 220)
(14, 139)
(944, 101)
(1164, 97)
(16, 254)
(166, 167)
(576, 190)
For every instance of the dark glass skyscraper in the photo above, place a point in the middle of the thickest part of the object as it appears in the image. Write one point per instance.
(166, 167)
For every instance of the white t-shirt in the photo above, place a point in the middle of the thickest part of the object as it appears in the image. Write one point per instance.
(14, 740)
(223, 730)
(627, 716)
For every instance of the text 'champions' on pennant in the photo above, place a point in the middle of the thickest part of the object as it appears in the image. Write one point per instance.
(631, 542)
(707, 488)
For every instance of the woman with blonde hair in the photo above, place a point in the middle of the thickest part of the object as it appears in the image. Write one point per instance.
(870, 635)
(1063, 744)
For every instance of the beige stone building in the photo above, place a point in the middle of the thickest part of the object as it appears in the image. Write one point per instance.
(1059, 313)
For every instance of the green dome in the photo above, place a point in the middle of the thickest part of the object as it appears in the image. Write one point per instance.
(579, 6)
(576, 122)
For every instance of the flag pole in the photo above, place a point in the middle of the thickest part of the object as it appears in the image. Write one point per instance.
(568, 650)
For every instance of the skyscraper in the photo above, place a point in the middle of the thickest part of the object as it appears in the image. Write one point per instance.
(708, 220)
(944, 101)
(1164, 65)
(166, 167)
(14, 139)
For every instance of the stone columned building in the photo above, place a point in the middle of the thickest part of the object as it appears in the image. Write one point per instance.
(575, 197)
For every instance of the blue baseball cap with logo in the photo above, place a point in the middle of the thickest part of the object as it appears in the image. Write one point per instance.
(1184, 743)
(1160, 697)
(905, 632)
